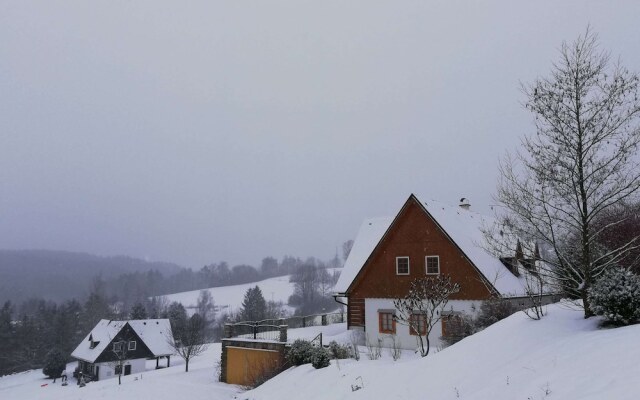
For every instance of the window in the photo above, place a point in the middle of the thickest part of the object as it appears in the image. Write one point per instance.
(402, 265)
(418, 321)
(118, 369)
(132, 345)
(117, 347)
(433, 265)
(386, 322)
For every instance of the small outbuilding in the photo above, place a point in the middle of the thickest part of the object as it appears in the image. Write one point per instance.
(127, 345)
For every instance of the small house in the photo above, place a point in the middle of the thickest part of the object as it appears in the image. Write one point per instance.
(123, 347)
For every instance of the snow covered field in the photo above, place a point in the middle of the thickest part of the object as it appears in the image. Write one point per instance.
(229, 298)
(561, 357)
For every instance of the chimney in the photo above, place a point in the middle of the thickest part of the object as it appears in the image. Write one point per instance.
(464, 203)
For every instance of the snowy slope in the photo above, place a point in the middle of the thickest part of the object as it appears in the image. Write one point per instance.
(229, 298)
(562, 356)
(200, 383)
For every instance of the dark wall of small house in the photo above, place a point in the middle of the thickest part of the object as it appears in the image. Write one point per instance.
(126, 334)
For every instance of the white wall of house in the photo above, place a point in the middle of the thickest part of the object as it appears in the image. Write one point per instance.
(406, 340)
(107, 370)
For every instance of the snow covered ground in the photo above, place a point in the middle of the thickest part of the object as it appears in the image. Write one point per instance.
(562, 357)
(229, 298)
(164, 384)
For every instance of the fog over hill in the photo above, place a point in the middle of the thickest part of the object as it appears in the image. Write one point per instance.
(61, 275)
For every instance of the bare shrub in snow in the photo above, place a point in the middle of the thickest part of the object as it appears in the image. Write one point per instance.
(616, 296)
(422, 307)
(355, 340)
(374, 349)
(395, 350)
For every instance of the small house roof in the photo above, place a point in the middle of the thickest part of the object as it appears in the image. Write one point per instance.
(463, 226)
(153, 332)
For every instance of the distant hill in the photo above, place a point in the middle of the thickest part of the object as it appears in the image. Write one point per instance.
(61, 275)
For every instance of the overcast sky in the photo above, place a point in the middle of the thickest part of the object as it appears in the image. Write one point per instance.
(200, 131)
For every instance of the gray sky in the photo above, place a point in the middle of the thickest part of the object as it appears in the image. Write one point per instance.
(199, 131)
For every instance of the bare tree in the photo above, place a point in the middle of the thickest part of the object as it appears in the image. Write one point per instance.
(346, 249)
(189, 341)
(421, 309)
(581, 161)
(206, 309)
(121, 350)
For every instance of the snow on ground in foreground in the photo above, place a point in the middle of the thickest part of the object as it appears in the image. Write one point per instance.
(229, 298)
(164, 384)
(562, 357)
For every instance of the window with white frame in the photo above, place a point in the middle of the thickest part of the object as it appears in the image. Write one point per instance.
(432, 265)
(117, 347)
(132, 345)
(402, 265)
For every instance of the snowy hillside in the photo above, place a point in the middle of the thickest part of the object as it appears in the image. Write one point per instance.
(200, 383)
(229, 298)
(562, 357)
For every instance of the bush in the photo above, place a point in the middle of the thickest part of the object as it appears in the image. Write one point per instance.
(339, 351)
(301, 352)
(616, 296)
(320, 358)
(54, 364)
(458, 328)
(492, 311)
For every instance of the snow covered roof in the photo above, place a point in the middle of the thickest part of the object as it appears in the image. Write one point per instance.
(465, 229)
(370, 233)
(153, 333)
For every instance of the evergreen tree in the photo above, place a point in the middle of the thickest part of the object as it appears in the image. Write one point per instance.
(177, 316)
(254, 306)
(7, 337)
(616, 296)
(55, 362)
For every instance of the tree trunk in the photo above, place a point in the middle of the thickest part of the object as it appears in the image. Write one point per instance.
(186, 365)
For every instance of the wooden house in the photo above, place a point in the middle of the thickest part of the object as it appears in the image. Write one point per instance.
(425, 238)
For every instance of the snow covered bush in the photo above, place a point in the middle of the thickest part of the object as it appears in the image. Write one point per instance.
(616, 296)
(54, 364)
(339, 351)
(320, 357)
(458, 328)
(301, 352)
(492, 311)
